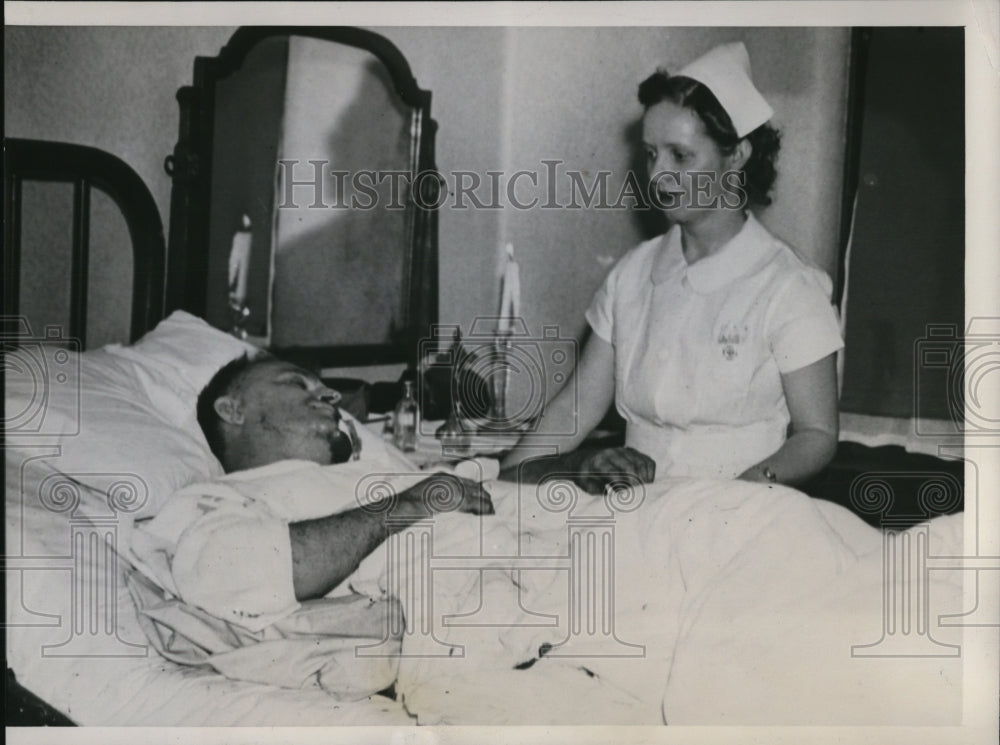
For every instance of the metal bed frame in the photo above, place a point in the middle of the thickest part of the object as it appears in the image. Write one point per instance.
(86, 168)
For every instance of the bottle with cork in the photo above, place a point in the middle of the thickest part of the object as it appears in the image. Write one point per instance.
(406, 420)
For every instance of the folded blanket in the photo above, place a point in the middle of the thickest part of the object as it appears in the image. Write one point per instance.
(316, 645)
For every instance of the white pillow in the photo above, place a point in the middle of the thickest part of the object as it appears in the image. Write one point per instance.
(128, 414)
(187, 346)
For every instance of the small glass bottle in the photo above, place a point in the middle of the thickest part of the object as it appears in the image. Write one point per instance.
(406, 420)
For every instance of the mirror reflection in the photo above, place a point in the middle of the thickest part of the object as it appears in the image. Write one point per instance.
(311, 229)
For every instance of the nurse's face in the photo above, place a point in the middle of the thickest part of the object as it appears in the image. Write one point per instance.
(686, 167)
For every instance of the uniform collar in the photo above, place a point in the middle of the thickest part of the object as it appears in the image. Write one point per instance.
(745, 250)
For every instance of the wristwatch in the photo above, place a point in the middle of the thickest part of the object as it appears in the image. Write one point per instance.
(769, 475)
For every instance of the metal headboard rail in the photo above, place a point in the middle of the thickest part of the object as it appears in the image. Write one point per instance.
(86, 168)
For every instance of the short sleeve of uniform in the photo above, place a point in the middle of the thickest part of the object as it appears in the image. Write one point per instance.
(804, 326)
(600, 314)
(236, 564)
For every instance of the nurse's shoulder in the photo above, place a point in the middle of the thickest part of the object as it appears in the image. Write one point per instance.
(789, 268)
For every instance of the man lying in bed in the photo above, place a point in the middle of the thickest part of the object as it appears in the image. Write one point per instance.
(290, 521)
(271, 418)
(278, 528)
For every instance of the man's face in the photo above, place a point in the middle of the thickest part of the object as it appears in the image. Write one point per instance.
(290, 410)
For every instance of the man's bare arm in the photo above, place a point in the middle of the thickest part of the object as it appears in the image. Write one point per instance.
(327, 550)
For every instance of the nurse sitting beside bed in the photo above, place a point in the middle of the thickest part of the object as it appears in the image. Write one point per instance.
(716, 341)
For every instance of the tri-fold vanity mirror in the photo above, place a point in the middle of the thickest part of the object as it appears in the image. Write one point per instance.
(293, 214)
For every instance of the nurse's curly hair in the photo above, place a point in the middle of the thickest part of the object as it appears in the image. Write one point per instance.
(766, 140)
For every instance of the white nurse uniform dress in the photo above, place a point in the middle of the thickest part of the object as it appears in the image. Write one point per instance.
(700, 348)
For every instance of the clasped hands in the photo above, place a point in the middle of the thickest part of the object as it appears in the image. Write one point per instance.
(591, 469)
(599, 468)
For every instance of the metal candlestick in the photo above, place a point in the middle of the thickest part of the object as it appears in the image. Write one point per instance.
(499, 379)
(241, 316)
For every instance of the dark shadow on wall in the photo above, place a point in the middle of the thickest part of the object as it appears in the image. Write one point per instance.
(342, 282)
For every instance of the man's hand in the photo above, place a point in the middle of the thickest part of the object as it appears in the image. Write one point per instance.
(444, 492)
(601, 467)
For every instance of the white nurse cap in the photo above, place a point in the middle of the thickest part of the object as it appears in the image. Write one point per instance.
(725, 70)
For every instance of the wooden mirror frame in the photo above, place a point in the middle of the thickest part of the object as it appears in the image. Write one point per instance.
(190, 168)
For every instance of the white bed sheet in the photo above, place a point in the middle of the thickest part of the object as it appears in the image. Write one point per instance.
(101, 684)
(748, 600)
(755, 597)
